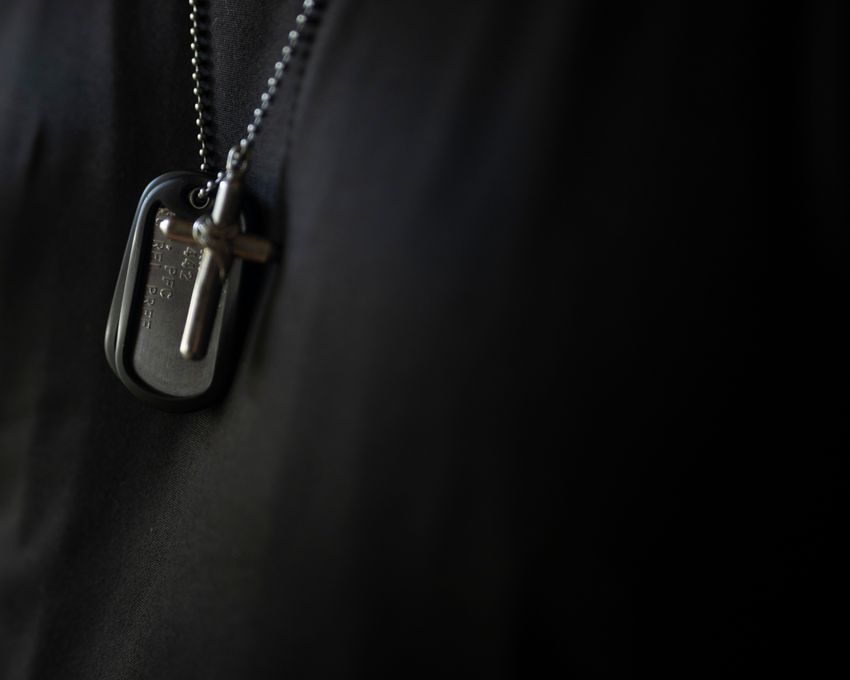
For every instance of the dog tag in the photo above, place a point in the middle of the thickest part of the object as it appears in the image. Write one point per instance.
(151, 304)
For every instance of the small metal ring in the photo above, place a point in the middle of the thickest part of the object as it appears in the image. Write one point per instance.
(237, 158)
(195, 201)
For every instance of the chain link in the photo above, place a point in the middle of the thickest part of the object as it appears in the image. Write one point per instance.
(239, 156)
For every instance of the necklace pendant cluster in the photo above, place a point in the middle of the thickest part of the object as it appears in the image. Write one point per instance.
(173, 327)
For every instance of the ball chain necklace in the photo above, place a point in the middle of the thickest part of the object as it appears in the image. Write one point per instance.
(171, 333)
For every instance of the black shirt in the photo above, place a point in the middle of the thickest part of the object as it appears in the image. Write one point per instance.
(501, 403)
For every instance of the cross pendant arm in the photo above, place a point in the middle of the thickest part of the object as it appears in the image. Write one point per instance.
(249, 247)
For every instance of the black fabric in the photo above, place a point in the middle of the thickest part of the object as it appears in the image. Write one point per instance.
(509, 399)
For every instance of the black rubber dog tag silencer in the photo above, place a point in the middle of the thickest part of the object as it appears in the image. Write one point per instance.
(151, 302)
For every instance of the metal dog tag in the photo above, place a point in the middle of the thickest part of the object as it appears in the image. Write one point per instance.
(151, 302)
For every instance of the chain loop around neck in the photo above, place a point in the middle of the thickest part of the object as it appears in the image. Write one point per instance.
(199, 85)
(241, 152)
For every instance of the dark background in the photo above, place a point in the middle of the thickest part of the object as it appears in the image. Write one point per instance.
(551, 371)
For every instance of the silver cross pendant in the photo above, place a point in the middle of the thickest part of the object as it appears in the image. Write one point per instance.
(173, 334)
(220, 235)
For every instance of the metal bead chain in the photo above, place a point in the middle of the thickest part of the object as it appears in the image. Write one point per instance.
(198, 88)
(239, 156)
